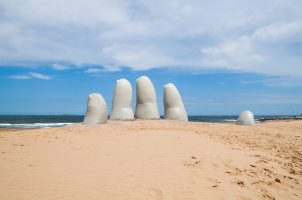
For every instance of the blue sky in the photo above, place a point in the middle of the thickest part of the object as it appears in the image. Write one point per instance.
(223, 56)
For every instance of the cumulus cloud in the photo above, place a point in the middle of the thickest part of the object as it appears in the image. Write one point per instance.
(30, 75)
(269, 50)
(260, 36)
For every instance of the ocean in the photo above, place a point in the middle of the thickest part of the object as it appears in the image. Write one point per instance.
(47, 121)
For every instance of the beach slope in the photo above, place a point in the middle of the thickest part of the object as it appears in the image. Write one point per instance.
(153, 159)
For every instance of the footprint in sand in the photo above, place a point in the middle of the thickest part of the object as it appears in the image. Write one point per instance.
(193, 162)
(213, 181)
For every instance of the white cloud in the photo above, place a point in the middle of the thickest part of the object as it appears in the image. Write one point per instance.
(269, 50)
(20, 77)
(39, 76)
(30, 75)
(137, 57)
(283, 82)
(260, 36)
(60, 67)
(284, 32)
(93, 70)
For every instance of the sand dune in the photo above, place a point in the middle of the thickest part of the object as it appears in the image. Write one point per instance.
(153, 160)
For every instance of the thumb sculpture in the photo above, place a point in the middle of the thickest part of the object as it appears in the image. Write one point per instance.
(146, 106)
(246, 118)
(97, 112)
(122, 101)
(174, 107)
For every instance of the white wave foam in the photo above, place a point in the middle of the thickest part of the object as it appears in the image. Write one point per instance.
(230, 120)
(33, 125)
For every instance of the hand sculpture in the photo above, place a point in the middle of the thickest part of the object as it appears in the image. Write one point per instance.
(146, 106)
(174, 108)
(97, 112)
(122, 101)
(246, 118)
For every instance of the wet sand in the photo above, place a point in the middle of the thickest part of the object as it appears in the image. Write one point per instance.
(153, 160)
(4, 129)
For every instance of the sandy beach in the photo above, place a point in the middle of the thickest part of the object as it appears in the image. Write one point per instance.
(153, 160)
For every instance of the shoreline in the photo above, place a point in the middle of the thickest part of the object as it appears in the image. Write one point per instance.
(274, 119)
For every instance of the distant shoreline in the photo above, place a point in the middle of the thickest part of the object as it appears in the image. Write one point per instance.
(280, 119)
